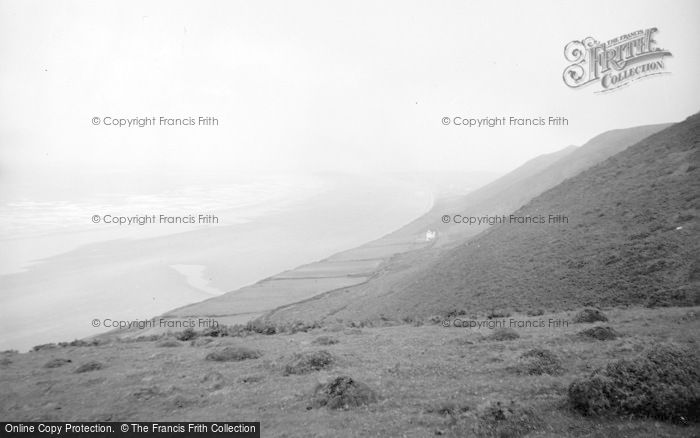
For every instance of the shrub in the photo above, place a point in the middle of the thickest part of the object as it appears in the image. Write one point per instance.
(82, 343)
(215, 332)
(503, 334)
(6, 355)
(539, 361)
(44, 347)
(662, 383)
(262, 327)
(510, 420)
(590, 315)
(325, 340)
(536, 312)
(496, 314)
(303, 363)
(186, 335)
(237, 330)
(600, 333)
(89, 366)
(414, 321)
(233, 354)
(300, 326)
(343, 392)
(56, 362)
(435, 319)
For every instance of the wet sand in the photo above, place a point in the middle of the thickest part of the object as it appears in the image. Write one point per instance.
(58, 298)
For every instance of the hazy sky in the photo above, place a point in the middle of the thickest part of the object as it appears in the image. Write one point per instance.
(320, 85)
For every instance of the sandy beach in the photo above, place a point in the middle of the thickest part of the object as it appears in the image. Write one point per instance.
(57, 298)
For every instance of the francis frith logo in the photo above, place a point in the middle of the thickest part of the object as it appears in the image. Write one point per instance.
(616, 62)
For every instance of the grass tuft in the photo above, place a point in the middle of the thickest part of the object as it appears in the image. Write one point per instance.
(497, 314)
(601, 333)
(539, 361)
(504, 421)
(233, 354)
(343, 392)
(307, 362)
(590, 315)
(44, 347)
(186, 335)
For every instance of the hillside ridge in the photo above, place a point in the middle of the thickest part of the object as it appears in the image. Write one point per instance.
(622, 245)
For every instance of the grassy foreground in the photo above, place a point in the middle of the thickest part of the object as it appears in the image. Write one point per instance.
(426, 380)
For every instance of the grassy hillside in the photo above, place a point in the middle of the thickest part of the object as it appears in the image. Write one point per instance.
(524, 183)
(395, 356)
(632, 237)
(406, 249)
(420, 380)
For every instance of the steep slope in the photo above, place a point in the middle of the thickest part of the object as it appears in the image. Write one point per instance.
(521, 185)
(377, 264)
(632, 237)
(356, 266)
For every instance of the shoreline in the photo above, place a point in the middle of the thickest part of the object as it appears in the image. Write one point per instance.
(345, 269)
(130, 279)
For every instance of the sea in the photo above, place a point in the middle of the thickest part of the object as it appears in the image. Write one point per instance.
(78, 249)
